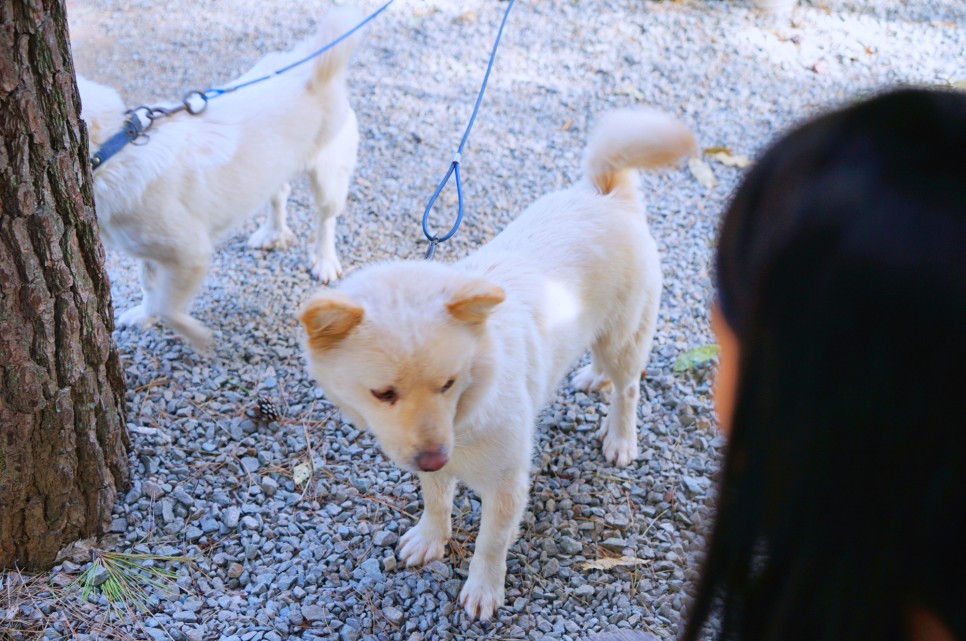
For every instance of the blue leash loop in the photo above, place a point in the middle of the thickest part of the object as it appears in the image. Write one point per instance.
(454, 167)
(141, 119)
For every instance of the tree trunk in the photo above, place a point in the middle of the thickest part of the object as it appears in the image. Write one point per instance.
(63, 438)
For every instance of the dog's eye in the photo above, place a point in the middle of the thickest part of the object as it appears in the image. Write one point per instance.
(388, 395)
(449, 384)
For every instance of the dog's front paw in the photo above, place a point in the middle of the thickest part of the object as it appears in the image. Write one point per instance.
(326, 269)
(480, 598)
(422, 544)
(587, 380)
(137, 316)
(618, 450)
(270, 237)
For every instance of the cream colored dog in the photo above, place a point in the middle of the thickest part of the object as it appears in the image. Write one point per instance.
(168, 201)
(448, 365)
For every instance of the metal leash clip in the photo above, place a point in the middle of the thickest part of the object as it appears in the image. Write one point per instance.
(139, 122)
(189, 103)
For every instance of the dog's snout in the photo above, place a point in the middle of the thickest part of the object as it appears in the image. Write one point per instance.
(431, 460)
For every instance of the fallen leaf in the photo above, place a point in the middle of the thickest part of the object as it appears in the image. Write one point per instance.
(696, 356)
(77, 551)
(632, 91)
(610, 562)
(701, 171)
(716, 149)
(301, 473)
(725, 157)
(567, 125)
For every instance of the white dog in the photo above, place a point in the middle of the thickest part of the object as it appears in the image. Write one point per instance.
(167, 201)
(448, 365)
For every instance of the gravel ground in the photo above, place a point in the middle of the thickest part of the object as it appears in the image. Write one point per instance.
(278, 559)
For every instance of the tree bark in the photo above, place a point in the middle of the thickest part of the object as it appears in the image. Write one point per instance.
(63, 437)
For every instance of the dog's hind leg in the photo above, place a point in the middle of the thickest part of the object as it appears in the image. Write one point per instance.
(426, 541)
(143, 314)
(274, 232)
(330, 175)
(621, 359)
(177, 283)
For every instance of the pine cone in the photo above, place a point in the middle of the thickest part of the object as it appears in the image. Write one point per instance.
(267, 410)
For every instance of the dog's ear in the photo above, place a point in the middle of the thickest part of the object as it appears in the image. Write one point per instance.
(474, 300)
(328, 318)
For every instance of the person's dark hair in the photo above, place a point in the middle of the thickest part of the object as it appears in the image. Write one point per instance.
(841, 268)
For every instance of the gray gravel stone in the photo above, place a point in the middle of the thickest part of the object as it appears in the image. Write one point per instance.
(313, 613)
(269, 485)
(350, 631)
(156, 634)
(372, 569)
(393, 615)
(384, 538)
(614, 544)
(570, 546)
(230, 516)
(194, 634)
(152, 490)
(100, 575)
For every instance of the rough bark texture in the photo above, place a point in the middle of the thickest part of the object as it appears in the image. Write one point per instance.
(63, 439)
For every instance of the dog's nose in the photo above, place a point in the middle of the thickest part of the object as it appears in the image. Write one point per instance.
(432, 460)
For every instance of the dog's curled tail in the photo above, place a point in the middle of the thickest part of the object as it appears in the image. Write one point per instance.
(625, 140)
(334, 24)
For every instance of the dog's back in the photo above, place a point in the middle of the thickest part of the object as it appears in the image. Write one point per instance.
(324, 67)
(577, 224)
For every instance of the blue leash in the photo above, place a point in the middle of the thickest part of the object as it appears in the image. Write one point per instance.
(142, 118)
(133, 129)
(454, 167)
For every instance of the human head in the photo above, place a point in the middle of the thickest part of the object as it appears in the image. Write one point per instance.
(841, 272)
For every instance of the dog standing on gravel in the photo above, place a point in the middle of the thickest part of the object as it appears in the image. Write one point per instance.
(167, 202)
(448, 365)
